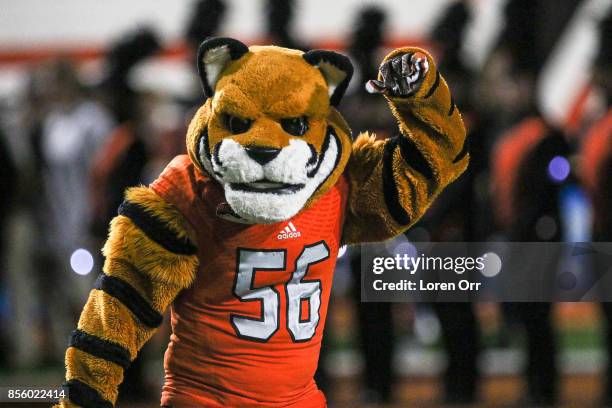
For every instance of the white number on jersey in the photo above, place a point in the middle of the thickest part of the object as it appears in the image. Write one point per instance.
(297, 289)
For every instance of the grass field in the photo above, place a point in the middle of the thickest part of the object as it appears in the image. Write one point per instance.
(581, 361)
(581, 391)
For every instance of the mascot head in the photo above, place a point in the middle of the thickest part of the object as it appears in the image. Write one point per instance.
(269, 131)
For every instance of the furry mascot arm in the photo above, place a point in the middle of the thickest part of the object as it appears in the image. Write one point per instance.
(150, 258)
(393, 182)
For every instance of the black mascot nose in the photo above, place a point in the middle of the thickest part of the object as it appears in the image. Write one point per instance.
(262, 155)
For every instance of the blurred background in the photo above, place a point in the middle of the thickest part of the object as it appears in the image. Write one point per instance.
(96, 97)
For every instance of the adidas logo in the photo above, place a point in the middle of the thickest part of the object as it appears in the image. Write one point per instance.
(289, 232)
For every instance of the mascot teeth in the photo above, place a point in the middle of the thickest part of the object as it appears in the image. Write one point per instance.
(266, 184)
(270, 205)
(267, 187)
(274, 190)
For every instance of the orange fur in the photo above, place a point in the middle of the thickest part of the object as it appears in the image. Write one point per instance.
(266, 85)
(155, 273)
(424, 119)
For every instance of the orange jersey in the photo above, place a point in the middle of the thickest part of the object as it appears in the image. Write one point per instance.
(508, 158)
(595, 152)
(595, 166)
(247, 333)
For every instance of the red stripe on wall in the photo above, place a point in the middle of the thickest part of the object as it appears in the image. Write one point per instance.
(179, 50)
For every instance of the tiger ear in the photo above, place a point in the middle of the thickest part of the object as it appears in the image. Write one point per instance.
(336, 69)
(214, 55)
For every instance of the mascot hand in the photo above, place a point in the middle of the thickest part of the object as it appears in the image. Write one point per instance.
(400, 76)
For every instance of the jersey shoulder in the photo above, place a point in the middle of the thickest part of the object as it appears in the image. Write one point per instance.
(183, 185)
(179, 179)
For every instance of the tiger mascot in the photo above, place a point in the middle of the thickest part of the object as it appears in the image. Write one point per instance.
(240, 237)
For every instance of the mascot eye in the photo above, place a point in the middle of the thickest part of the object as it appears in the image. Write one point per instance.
(237, 125)
(295, 126)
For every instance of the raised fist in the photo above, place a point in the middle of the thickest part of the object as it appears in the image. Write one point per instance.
(401, 76)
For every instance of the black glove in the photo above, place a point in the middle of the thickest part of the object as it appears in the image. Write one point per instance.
(401, 76)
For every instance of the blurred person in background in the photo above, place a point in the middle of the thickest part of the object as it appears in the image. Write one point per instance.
(72, 128)
(365, 46)
(278, 21)
(8, 189)
(596, 174)
(528, 174)
(375, 329)
(120, 162)
(453, 217)
(34, 107)
(205, 19)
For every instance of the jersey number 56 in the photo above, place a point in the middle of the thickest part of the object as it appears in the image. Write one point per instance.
(297, 289)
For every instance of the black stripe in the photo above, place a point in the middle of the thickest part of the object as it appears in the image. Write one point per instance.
(340, 62)
(206, 145)
(203, 145)
(215, 155)
(313, 155)
(464, 151)
(85, 396)
(434, 86)
(127, 295)
(452, 107)
(414, 158)
(324, 148)
(236, 50)
(101, 348)
(390, 191)
(432, 131)
(332, 133)
(156, 229)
